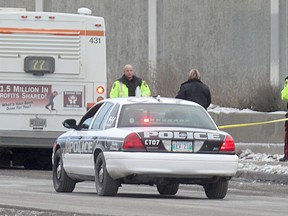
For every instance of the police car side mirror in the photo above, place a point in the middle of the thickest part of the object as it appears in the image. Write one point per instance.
(70, 123)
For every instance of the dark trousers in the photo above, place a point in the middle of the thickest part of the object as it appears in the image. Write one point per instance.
(286, 138)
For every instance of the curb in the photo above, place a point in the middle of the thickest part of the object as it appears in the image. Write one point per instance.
(277, 178)
(261, 147)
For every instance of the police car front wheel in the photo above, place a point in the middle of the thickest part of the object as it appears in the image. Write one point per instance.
(61, 181)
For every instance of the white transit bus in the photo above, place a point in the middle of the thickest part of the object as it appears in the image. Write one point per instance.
(53, 66)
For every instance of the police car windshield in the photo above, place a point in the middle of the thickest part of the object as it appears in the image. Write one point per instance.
(164, 115)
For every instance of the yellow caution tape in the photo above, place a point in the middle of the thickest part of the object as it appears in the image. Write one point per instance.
(252, 123)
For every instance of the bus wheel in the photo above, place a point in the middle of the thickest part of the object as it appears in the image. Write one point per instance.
(31, 163)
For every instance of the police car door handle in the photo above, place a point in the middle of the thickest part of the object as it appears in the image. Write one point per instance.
(80, 137)
(94, 137)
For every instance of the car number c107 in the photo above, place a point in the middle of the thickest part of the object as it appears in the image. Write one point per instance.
(153, 142)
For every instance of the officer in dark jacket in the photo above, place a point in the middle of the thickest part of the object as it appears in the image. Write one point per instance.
(194, 90)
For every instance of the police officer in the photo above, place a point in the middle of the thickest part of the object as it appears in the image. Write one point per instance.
(129, 85)
(195, 90)
(285, 158)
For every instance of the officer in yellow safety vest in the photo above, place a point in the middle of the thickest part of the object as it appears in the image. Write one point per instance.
(129, 85)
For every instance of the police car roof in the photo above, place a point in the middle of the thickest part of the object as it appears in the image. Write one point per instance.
(158, 99)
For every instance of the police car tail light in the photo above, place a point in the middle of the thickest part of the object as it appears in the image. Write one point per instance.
(133, 142)
(228, 144)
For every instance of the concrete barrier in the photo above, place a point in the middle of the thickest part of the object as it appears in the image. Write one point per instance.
(265, 133)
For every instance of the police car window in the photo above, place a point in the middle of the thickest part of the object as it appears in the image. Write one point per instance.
(111, 121)
(87, 118)
(100, 116)
(108, 120)
(168, 115)
(86, 123)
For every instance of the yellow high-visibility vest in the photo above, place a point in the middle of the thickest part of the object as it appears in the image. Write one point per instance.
(120, 90)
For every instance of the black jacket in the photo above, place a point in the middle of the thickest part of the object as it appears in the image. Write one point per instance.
(131, 84)
(196, 91)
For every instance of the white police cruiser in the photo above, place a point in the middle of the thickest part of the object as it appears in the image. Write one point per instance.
(145, 140)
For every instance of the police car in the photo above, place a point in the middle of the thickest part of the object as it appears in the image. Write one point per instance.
(144, 140)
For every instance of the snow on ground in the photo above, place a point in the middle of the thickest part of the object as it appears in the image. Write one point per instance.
(262, 162)
(255, 162)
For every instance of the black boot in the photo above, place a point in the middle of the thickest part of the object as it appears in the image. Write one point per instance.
(284, 159)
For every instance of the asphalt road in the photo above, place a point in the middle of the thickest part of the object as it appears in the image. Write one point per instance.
(31, 192)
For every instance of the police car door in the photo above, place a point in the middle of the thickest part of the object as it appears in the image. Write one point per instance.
(87, 139)
(80, 144)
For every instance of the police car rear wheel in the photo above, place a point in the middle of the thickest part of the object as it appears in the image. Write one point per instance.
(61, 181)
(105, 185)
(216, 190)
(169, 189)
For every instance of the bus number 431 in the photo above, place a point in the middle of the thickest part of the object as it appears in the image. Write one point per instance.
(95, 40)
